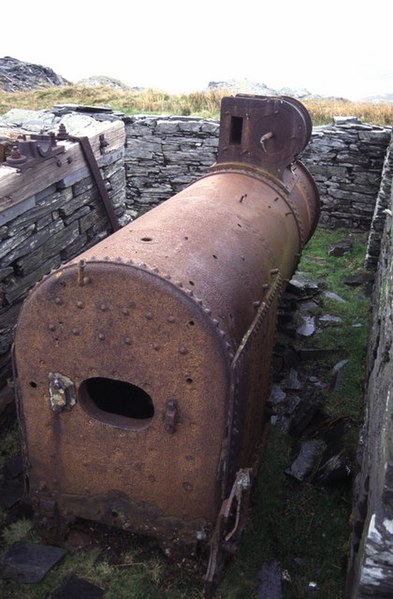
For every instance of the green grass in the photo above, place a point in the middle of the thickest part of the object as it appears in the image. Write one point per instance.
(304, 526)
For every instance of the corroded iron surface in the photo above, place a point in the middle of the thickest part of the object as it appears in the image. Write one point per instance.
(145, 399)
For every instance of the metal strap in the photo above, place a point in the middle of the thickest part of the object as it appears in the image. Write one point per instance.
(96, 174)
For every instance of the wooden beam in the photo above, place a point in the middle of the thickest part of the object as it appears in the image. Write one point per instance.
(16, 186)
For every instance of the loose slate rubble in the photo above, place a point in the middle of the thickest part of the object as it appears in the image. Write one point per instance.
(29, 562)
(295, 404)
(341, 248)
(305, 460)
(76, 588)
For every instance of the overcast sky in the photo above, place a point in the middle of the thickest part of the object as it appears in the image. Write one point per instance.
(330, 47)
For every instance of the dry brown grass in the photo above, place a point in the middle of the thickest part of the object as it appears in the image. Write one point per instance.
(205, 104)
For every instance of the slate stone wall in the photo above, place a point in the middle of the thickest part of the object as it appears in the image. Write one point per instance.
(164, 154)
(50, 228)
(371, 564)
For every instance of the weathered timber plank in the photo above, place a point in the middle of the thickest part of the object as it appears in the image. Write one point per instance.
(16, 186)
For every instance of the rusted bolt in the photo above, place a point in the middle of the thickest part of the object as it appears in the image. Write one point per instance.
(15, 153)
(103, 143)
(171, 416)
(81, 273)
(101, 336)
(62, 134)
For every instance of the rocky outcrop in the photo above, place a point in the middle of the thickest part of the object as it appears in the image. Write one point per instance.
(246, 86)
(102, 81)
(16, 75)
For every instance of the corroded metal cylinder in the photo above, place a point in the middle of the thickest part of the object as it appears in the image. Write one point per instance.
(145, 396)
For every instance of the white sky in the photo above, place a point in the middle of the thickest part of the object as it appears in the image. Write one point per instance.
(333, 47)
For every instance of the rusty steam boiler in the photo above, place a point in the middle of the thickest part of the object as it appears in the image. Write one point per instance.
(142, 366)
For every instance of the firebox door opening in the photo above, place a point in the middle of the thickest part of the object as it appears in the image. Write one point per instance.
(117, 403)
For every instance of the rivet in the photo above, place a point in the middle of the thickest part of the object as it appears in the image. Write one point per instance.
(156, 346)
(51, 327)
(103, 307)
(256, 304)
(215, 322)
(171, 319)
(207, 311)
(86, 280)
(127, 340)
(101, 336)
(183, 350)
(142, 265)
(274, 271)
(80, 304)
(187, 487)
(265, 286)
(125, 311)
(148, 316)
(75, 332)
(58, 301)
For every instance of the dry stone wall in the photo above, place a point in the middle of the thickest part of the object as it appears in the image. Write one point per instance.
(346, 160)
(164, 154)
(371, 565)
(50, 227)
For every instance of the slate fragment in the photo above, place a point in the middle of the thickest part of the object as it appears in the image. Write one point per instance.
(29, 562)
(270, 576)
(76, 588)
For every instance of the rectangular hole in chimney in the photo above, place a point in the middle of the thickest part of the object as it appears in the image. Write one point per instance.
(236, 130)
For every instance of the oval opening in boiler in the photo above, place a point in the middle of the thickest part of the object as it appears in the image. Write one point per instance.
(116, 402)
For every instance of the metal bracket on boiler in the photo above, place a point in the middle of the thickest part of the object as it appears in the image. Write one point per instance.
(229, 527)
